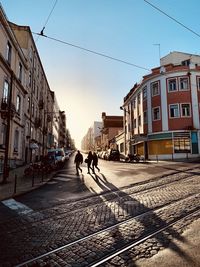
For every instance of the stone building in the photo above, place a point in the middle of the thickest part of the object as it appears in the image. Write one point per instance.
(31, 120)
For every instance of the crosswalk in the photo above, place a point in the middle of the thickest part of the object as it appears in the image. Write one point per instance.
(18, 207)
(21, 209)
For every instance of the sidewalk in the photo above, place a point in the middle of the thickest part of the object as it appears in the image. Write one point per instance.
(18, 184)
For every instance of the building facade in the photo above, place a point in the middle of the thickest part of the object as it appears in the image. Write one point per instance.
(31, 121)
(111, 126)
(162, 113)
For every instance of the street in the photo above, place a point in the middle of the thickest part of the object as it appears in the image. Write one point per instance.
(123, 214)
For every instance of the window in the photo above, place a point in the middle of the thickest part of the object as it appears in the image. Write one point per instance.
(16, 140)
(121, 147)
(29, 105)
(174, 111)
(33, 109)
(156, 113)
(20, 72)
(138, 97)
(155, 89)
(34, 86)
(186, 62)
(139, 120)
(172, 85)
(8, 52)
(134, 123)
(185, 110)
(3, 136)
(134, 102)
(29, 78)
(18, 104)
(5, 91)
(198, 83)
(184, 83)
(145, 117)
(182, 142)
(30, 54)
(144, 93)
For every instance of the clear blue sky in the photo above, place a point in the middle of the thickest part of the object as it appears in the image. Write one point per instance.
(86, 84)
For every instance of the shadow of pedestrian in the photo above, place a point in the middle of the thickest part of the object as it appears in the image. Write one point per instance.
(148, 224)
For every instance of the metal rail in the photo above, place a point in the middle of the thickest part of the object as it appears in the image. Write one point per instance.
(139, 191)
(112, 227)
(106, 259)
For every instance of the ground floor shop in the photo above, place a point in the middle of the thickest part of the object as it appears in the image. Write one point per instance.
(169, 145)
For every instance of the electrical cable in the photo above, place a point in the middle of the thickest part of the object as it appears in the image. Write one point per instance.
(178, 22)
(91, 51)
(42, 31)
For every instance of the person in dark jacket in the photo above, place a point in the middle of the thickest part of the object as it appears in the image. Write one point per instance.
(89, 161)
(95, 162)
(78, 161)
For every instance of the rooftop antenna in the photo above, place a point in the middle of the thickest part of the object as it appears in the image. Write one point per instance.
(158, 51)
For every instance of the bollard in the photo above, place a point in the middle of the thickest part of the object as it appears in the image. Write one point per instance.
(15, 184)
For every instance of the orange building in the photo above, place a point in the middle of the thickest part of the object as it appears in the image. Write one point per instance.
(162, 113)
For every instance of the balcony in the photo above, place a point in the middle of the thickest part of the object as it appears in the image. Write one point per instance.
(5, 107)
(4, 104)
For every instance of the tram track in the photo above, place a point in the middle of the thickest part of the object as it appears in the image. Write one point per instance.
(126, 201)
(126, 235)
(50, 213)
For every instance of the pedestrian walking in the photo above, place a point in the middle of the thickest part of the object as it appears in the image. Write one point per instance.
(95, 162)
(78, 161)
(88, 160)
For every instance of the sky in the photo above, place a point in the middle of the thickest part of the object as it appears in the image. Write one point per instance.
(87, 84)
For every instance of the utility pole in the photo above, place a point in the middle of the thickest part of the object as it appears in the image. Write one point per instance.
(158, 51)
(7, 140)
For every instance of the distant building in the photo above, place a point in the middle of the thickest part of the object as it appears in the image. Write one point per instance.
(91, 139)
(111, 126)
(162, 113)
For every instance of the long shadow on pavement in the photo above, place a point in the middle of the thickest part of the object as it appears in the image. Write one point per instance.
(162, 238)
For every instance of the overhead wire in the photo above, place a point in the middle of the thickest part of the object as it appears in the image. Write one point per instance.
(178, 22)
(91, 51)
(42, 31)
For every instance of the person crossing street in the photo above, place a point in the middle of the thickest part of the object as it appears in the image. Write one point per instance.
(95, 162)
(78, 161)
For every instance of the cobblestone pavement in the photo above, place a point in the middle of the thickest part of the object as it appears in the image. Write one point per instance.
(132, 212)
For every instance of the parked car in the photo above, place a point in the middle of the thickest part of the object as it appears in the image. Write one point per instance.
(113, 154)
(58, 154)
(123, 157)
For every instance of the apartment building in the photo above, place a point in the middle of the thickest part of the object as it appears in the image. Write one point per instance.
(13, 91)
(31, 119)
(162, 113)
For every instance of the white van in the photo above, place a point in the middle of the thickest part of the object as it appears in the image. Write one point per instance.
(57, 153)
